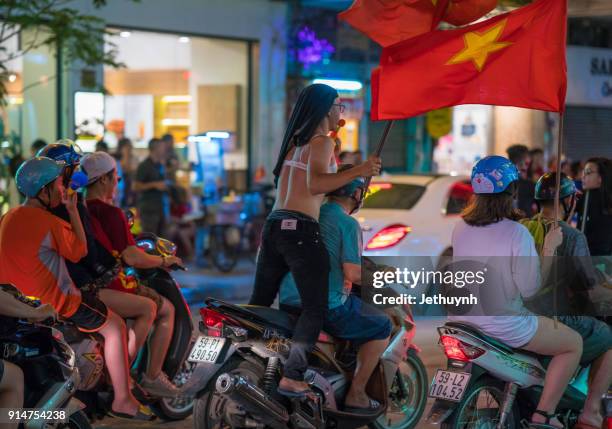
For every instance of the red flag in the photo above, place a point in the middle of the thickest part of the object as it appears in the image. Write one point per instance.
(514, 59)
(393, 21)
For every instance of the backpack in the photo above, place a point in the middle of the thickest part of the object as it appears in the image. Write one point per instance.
(538, 228)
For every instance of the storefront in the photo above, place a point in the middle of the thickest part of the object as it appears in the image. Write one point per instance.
(588, 118)
(203, 67)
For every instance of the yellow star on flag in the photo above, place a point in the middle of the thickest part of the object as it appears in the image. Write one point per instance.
(478, 46)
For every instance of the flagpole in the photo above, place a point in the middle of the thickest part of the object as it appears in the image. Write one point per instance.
(381, 144)
(556, 211)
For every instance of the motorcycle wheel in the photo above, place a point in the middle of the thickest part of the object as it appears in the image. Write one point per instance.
(480, 407)
(406, 403)
(211, 410)
(223, 254)
(76, 420)
(181, 407)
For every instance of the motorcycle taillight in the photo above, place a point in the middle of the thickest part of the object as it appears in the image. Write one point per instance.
(214, 322)
(458, 350)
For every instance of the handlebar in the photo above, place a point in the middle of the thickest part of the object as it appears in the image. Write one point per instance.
(176, 267)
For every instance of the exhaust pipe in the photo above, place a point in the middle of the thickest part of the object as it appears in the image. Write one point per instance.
(251, 397)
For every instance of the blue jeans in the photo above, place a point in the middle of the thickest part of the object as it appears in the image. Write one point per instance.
(356, 321)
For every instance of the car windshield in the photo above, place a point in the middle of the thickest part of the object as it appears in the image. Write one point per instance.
(392, 196)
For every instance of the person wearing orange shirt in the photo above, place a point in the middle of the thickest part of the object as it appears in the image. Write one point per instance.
(34, 245)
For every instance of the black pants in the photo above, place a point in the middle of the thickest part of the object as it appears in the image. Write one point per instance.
(291, 243)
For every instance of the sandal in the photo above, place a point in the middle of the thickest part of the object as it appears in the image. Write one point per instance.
(546, 424)
(373, 408)
(143, 414)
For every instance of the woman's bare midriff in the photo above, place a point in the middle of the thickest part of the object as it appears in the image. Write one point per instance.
(292, 193)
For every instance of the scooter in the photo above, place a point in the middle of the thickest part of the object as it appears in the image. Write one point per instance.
(95, 391)
(489, 384)
(243, 348)
(50, 373)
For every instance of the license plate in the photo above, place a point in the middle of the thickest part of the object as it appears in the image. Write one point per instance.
(206, 349)
(449, 385)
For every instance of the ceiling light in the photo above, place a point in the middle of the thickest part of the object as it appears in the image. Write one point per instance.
(176, 98)
(125, 34)
(184, 39)
(218, 134)
(12, 77)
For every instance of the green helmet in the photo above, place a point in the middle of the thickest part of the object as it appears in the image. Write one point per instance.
(547, 184)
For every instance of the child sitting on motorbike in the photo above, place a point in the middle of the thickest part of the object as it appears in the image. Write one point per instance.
(347, 317)
(34, 244)
(489, 233)
(101, 170)
(575, 276)
(11, 376)
(99, 271)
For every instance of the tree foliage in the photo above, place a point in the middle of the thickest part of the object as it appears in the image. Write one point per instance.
(53, 23)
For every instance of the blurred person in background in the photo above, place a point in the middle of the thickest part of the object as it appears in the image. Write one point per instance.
(357, 157)
(536, 166)
(102, 146)
(577, 167)
(346, 157)
(37, 145)
(518, 154)
(168, 140)
(595, 208)
(180, 230)
(152, 188)
(127, 163)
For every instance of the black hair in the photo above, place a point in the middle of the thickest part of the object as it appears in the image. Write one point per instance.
(314, 102)
(167, 137)
(604, 169)
(101, 146)
(517, 152)
(37, 145)
(154, 142)
(536, 151)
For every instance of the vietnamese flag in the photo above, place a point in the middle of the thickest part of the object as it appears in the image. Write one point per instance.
(514, 59)
(391, 21)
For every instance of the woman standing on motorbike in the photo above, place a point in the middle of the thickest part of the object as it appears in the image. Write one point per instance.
(101, 169)
(489, 233)
(305, 171)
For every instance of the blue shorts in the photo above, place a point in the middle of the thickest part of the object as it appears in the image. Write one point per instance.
(357, 322)
(596, 336)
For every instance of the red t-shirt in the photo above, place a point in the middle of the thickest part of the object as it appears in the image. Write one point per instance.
(111, 228)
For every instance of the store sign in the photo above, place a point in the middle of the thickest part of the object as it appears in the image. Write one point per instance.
(589, 75)
(439, 122)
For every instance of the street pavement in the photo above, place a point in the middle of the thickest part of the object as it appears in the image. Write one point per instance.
(199, 283)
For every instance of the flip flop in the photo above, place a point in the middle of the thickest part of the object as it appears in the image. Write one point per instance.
(143, 414)
(372, 409)
(293, 394)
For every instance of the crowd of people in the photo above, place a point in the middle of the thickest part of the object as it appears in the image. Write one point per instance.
(69, 249)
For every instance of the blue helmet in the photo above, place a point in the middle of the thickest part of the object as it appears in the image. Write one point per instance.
(350, 188)
(62, 150)
(36, 173)
(493, 175)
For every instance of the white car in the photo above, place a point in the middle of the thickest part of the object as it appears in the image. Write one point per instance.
(412, 215)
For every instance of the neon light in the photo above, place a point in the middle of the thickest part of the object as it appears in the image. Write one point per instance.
(341, 85)
(218, 134)
(176, 98)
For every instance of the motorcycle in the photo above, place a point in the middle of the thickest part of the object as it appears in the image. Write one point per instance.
(489, 384)
(93, 388)
(244, 347)
(50, 373)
